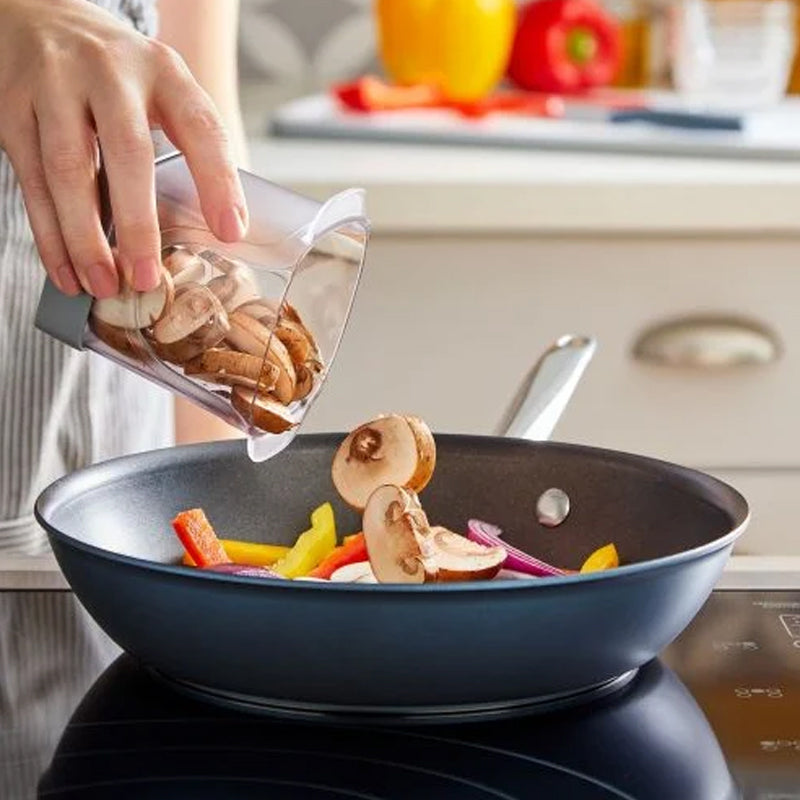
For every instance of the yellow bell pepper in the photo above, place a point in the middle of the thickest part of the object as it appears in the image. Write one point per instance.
(248, 554)
(604, 558)
(311, 547)
(460, 46)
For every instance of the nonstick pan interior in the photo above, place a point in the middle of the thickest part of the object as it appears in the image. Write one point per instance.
(368, 649)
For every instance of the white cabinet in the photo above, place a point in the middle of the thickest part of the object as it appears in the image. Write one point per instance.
(447, 326)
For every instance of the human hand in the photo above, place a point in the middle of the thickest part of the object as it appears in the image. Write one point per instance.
(72, 79)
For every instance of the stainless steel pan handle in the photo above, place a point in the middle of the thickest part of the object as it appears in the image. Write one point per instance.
(546, 390)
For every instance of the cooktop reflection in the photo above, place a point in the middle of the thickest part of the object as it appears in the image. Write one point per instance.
(717, 717)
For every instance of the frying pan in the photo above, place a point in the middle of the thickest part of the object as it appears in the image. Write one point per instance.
(424, 653)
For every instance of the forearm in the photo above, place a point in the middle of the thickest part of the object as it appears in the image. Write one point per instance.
(205, 33)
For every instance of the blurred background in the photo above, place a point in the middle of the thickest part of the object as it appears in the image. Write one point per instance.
(638, 181)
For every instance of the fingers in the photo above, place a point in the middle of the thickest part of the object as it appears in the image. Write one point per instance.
(193, 125)
(128, 156)
(70, 164)
(25, 155)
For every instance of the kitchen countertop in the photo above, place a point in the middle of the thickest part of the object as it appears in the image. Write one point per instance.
(754, 572)
(421, 189)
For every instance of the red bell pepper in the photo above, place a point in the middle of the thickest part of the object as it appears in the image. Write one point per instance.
(199, 539)
(352, 551)
(565, 46)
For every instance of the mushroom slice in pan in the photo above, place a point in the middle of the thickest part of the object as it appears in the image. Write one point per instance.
(134, 310)
(196, 322)
(263, 411)
(460, 559)
(250, 336)
(392, 449)
(395, 529)
(233, 368)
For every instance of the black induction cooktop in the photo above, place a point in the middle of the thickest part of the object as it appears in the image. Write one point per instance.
(717, 717)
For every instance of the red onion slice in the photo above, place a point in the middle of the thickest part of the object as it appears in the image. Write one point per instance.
(489, 535)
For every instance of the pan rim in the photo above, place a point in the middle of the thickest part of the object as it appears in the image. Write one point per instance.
(105, 472)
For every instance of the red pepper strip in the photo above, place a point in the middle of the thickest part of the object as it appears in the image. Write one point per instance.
(198, 538)
(373, 94)
(351, 552)
(523, 103)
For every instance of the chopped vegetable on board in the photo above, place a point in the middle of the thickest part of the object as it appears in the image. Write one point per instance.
(370, 93)
(250, 554)
(604, 558)
(311, 547)
(199, 539)
(353, 550)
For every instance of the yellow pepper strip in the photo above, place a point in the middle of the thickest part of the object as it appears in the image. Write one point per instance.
(312, 546)
(604, 558)
(248, 554)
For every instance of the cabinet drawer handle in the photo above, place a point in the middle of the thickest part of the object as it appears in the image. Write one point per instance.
(708, 342)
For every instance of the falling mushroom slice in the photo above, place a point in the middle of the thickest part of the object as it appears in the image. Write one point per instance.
(460, 559)
(136, 310)
(262, 410)
(195, 322)
(395, 530)
(393, 449)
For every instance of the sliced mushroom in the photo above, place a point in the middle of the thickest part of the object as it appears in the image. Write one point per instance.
(395, 528)
(136, 310)
(305, 382)
(460, 559)
(252, 337)
(187, 267)
(293, 336)
(124, 340)
(262, 410)
(196, 322)
(360, 572)
(260, 310)
(392, 449)
(233, 368)
(233, 289)
(218, 261)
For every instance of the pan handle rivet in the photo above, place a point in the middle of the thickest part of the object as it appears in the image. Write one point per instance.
(552, 507)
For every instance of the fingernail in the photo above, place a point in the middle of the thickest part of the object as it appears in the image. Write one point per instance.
(67, 281)
(103, 281)
(232, 224)
(146, 274)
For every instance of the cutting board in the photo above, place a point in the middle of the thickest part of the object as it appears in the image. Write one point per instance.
(772, 134)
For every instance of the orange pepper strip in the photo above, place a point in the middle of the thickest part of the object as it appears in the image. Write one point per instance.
(198, 538)
(352, 551)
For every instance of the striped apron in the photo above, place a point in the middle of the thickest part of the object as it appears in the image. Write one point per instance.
(59, 410)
